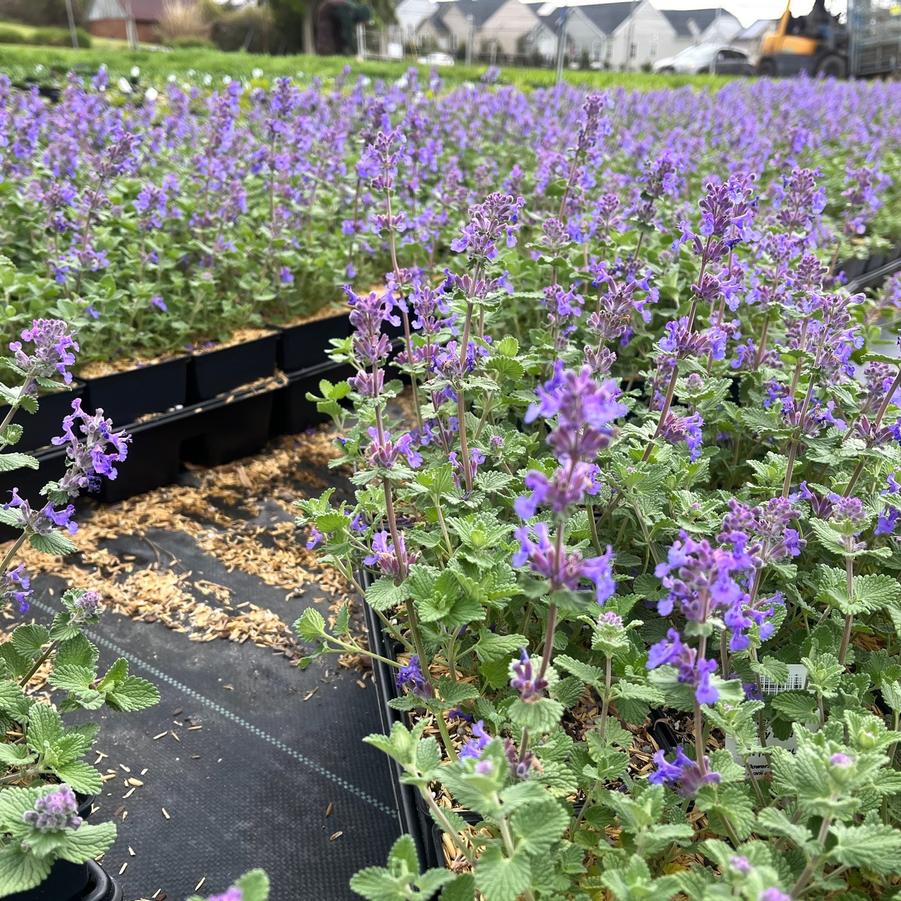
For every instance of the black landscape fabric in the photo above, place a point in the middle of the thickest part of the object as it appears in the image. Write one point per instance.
(248, 761)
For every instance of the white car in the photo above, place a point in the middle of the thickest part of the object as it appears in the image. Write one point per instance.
(705, 58)
(436, 59)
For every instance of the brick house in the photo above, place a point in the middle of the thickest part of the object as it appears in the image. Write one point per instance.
(116, 18)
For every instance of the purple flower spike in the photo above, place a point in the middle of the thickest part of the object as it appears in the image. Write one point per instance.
(92, 447)
(54, 811)
(474, 747)
(53, 352)
(410, 678)
(523, 678)
(16, 586)
(683, 773)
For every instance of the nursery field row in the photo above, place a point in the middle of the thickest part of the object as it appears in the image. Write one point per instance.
(50, 64)
(622, 433)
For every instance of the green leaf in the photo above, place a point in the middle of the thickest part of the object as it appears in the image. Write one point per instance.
(383, 594)
(77, 651)
(9, 462)
(54, 543)
(454, 693)
(311, 625)
(72, 678)
(871, 846)
(727, 806)
(491, 646)
(133, 693)
(44, 726)
(503, 878)
(21, 871)
(88, 842)
(538, 716)
(590, 675)
(15, 755)
(29, 639)
(254, 886)
(796, 707)
(538, 827)
(463, 888)
(81, 776)
(773, 821)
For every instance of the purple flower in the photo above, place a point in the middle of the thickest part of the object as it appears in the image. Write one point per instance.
(563, 568)
(92, 449)
(53, 352)
(230, 894)
(692, 669)
(383, 452)
(887, 521)
(740, 864)
(700, 578)
(683, 773)
(316, 538)
(286, 276)
(16, 586)
(841, 760)
(774, 894)
(410, 678)
(676, 429)
(43, 521)
(584, 409)
(86, 607)
(388, 561)
(496, 218)
(159, 303)
(54, 811)
(524, 680)
(477, 744)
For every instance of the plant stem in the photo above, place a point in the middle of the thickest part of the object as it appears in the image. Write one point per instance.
(548, 639)
(605, 706)
(849, 619)
(699, 719)
(445, 736)
(13, 551)
(444, 823)
(39, 662)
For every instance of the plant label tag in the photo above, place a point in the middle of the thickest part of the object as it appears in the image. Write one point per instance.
(759, 764)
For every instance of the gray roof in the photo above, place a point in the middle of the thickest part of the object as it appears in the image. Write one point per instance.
(756, 30)
(689, 22)
(436, 19)
(480, 10)
(607, 17)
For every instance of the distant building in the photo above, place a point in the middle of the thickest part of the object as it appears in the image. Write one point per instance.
(410, 14)
(502, 28)
(116, 18)
(701, 26)
(629, 35)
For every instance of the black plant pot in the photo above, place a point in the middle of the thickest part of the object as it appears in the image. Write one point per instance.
(126, 396)
(234, 430)
(215, 372)
(306, 345)
(74, 882)
(415, 820)
(154, 459)
(292, 412)
(39, 428)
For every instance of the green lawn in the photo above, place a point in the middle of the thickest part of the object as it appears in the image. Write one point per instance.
(157, 64)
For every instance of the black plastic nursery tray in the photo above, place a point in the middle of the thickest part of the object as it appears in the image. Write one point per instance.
(222, 369)
(128, 395)
(307, 344)
(247, 761)
(41, 427)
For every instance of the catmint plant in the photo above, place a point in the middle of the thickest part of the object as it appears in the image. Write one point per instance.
(51, 671)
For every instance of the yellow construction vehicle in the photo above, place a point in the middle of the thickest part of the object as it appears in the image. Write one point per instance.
(867, 43)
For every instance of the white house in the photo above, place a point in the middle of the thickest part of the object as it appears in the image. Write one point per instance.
(500, 27)
(629, 35)
(699, 26)
(410, 14)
